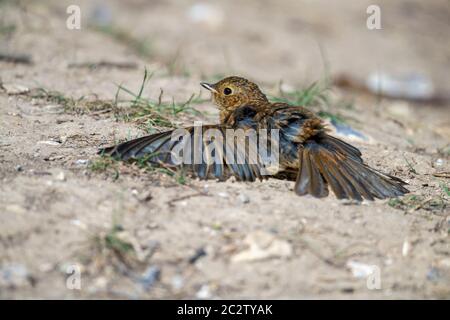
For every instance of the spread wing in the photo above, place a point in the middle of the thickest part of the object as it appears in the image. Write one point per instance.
(207, 152)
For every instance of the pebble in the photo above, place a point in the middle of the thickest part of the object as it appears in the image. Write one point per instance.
(151, 247)
(150, 277)
(53, 108)
(439, 162)
(61, 176)
(53, 158)
(359, 269)
(223, 194)
(50, 142)
(433, 274)
(152, 225)
(444, 263)
(263, 245)
(18, 168)
(100, 283)
(388, 262)
(203, 292)
(144, 196)
(79, 224)
(15, 208)
(14, 89)
(413, 85)
(14, 275)
(177, 282)
(200, 252)
(82, 162)
(406, 248)
(244, 198)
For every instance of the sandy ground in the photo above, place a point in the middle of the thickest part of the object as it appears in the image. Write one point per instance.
(195, 240)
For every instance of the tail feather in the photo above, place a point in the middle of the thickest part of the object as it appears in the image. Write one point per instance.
(329, 161)
(346, 184)
(362, 177)
(323, 162)
(331, 180)
(309, 179)
(346, 148)
(357, 179)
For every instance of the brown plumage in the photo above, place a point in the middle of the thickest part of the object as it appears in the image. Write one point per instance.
(307, 153)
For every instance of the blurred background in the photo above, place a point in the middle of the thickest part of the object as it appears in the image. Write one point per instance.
(265, 40)
(68, 89)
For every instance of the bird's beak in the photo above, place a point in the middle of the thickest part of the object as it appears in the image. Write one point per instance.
(208, 87)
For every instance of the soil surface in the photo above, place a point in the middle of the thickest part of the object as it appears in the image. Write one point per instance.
(129, 231)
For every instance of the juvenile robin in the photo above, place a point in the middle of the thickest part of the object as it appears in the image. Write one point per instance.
(308, 155)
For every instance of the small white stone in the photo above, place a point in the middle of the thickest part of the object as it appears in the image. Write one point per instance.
(78, 224)
(444, 263)
(406, 247)
(204, 292)
(263, 245)
(82, 162)
(13, 89)
(244, 198)
(439, 162)
(360, 270)
(177, 282)
(223, 194)
(61, 176)
(100, 283)
(49, 142)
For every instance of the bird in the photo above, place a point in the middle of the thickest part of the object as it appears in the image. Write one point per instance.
(306, 152)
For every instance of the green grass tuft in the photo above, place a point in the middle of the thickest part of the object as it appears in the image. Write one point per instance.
(314, 95)
(410, 166)
(113, 241)
(81, 105)
(151, 113)
(445, 189)
(412, 203)
(107, 164)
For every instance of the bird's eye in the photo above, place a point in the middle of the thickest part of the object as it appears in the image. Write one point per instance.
(227, 91)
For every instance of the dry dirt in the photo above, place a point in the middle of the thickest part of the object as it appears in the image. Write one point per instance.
(175, 240)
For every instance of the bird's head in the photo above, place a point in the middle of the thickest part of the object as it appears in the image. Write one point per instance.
(233, 92)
